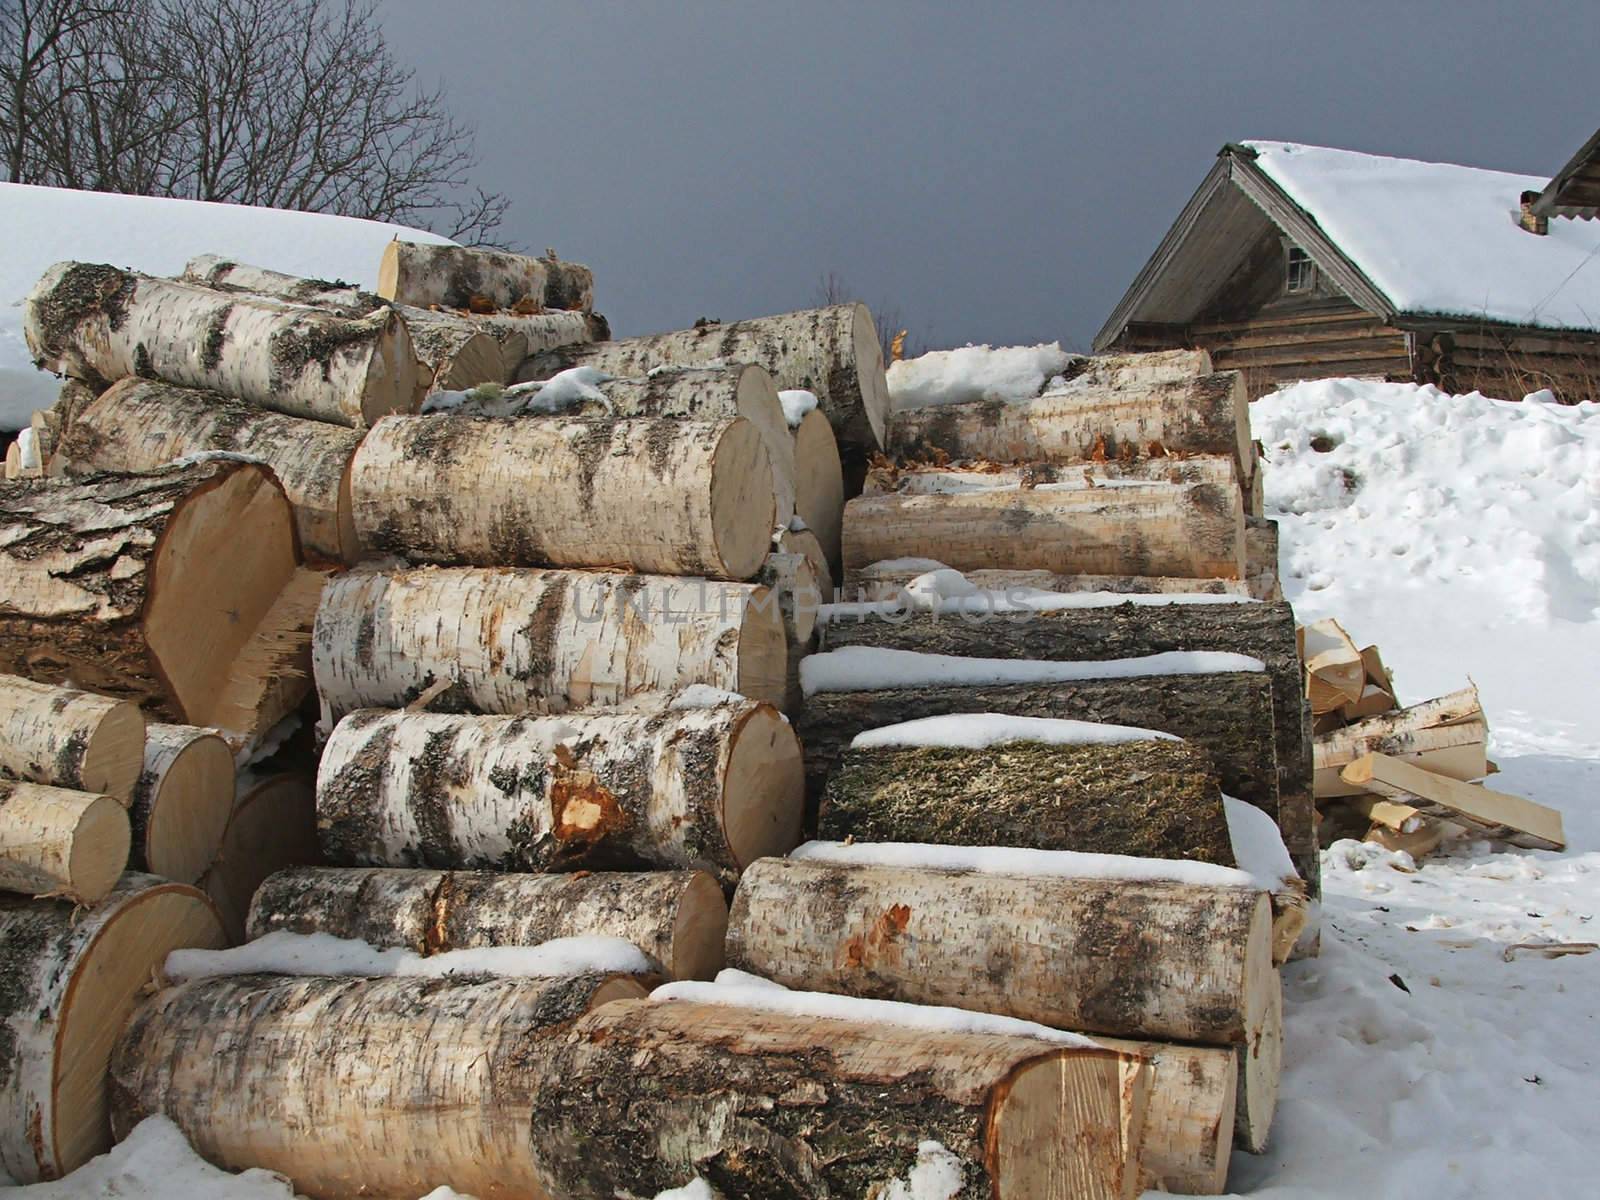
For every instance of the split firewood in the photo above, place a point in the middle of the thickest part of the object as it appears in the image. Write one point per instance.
(1335, 674)
(100, 324)
(360, 1087)
(677, 918)
(1150, 798)
(178, 588)
(72, 976)
(1189, 1117)
(272, 827)
(1201, 415)
(57, 842)
(1063, 952)
(1016, 1117)
(832, 352)
(142, 424)
(1517, 820)
(69, 738)
(1456, 708)
(518, 640)
(674, 497)
(713, 788)
(182, 801)
(1456, 751)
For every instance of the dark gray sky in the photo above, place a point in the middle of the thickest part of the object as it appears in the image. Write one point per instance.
(996, 177)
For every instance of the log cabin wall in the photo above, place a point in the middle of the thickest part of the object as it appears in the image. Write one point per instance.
(1510, 363)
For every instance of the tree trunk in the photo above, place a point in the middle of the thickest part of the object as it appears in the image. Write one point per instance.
(1227, 715)
(453, 351)
(177, 588)
(831, 352)
(819, 484)
(71, 979)
(518, 640)
(644, 1096)
(1261, 558)
(1189, 1118)
(354, 1087)
(1194, 530)
(459, 277)
(568, 285)
(100, 324)
(72, 399)
(1097, 372)
(1264, 631)
(224, 275)
(181, 804)
(1201, 415)
(519, 335)
(674, 497)
(272, 827)
(792, 579)
(1151, 799)
(709, 788)
(139, 425)
(883, 581)
(1145, 960)
(68, 738)
(678, 918)
(56, 842)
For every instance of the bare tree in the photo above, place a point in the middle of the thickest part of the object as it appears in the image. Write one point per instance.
(896, 340)
(283, 103)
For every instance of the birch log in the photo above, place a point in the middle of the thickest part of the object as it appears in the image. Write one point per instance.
(1190, 529)
(769, 1104)
(71, 979)
(182, 800)
(224, 275)
(678, 918)
(100, 324)
(178, 588)
(819, 484)
(1189, 1118)
(56, 842)
(68, 738)
(511, 641)
(710, 788)
(1261, 558)
(1141, 368)
(1204, 415)
(792, 581)
(675, 497)
(140, 424)
(459, 276)
(272, 827)
(886, 579)
(832, 352)
(1151, 799)
(1229, 716)
(520, 335)
(453, 352)
(356, 1087)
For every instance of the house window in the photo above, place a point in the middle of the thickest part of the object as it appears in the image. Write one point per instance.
(1301, 272)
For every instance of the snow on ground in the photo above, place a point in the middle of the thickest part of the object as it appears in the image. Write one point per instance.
(157, 236)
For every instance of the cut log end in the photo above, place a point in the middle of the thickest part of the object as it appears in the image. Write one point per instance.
(763, 795)
(115, 753)
(618, 987)
(871, 375)
(743, 508)
(1261, 1056)
(189, 811)
(1030, 1157)
(395, 381)
(819, 483)
(273, 826)
(99, 848)
(700, 930)
(763, 651)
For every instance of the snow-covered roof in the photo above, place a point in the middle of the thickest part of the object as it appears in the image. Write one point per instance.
(1440, 239)
(156, 235)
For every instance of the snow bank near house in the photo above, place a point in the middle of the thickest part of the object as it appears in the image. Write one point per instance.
(1461, 534)
(1007, 373)
(157, 236)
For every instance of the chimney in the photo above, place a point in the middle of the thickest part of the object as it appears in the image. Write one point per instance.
(1526, 218)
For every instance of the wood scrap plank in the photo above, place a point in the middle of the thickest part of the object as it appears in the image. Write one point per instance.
(1472, 804)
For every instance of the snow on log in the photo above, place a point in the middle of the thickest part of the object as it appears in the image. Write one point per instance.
(182, 800)
(819, 483)
(1228, 715)
(712, 788)
(100, 324)
(831, 352)
(72, 976)
(354, 1086)
(768, 1104)
(1170, 961)
(885, 579)
(1189, 1118)
(460, 277)
(1203, 415)
(272, 827)
(58, 842)
(141, 424)
(677, 918)
(517, 640)
(1144, 797)
(178, 588)
(674, 497)
(452, 350)
(69, 739)
(224, 275)
(1071, 526)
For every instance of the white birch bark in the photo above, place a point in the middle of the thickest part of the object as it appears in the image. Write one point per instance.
(459, 276)
(707, 788)
(56, 842)
(182, 801)
(454, 351)
(225, 275)
(101, 324)
(69, 738)
(71, 978)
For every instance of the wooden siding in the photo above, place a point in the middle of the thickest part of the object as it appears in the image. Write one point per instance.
(1510, 363)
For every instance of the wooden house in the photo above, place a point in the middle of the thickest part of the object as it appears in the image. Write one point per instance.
(1298, 262)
